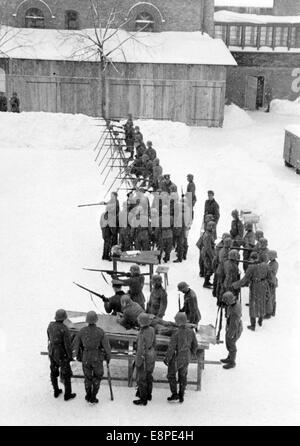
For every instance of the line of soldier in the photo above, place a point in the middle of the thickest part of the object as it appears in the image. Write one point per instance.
(163, 225)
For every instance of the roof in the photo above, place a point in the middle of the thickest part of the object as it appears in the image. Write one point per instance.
(246, 3)
(192, 48)
(235, 17)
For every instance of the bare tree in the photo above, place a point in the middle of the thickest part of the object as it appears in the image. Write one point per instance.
(102, 41)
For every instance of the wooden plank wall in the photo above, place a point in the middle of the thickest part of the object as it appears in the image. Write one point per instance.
(192, 94)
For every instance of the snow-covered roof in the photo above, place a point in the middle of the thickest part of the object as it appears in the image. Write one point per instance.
(235, 17)
(246, 3)
(165, 47)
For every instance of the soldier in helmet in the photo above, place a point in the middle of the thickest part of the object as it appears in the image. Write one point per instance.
(150, 151)
(60, 354)
(138, 136)
(145, 359)
(216, 261)
(190, 304)
(234, 328)
(191, 189)
(135, 283)
(208, 253)
(112, 305)
(211, 207)
(237, 229)
(158, 301)
(130, 312)
(231, 272)
(164, 233)
(129, 135)
(182, 346)
(262, 247)
(94, 344)
(248, 244)
(273, 267)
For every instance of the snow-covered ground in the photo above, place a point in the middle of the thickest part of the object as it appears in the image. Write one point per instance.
(46, 240)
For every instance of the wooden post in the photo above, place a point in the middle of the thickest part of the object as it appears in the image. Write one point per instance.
(130, 363)
(200, 367)
(289, 38)
(258, 37)
(227, 35)
(243, 37)
(273, 37)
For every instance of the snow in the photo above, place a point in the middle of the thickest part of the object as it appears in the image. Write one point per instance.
(165, 47)
(246, 3)
(286, 107)
(46, 240)
(234, 17)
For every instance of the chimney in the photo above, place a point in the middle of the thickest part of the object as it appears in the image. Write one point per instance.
(208, 10)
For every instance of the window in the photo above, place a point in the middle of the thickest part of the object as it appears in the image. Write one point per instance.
(281, 36)
(250, 35)
(295, 37)
(71, 20)
(266, 36)
(144, 22)
(34, 18)
(2, 80)
(235, 35)
(220, 32)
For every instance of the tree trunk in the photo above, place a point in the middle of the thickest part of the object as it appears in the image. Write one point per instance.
(103, 89)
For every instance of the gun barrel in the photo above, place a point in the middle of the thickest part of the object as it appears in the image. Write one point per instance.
(89, 204)
(90, 291)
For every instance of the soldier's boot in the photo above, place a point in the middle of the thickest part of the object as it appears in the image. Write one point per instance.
(173, 387)
(68, 390)
(173, 397)
(260, 321)
(181, 392)
(207, 283)
(88, 391)
(274, 309)
(177, 260)
(57, 390)
(231, 363)
(140, 402)
(94, 392)
(226, 360)
(252, 326)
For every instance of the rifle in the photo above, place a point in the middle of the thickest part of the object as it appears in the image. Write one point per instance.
(113, 273)
(91, 204)
(220, 311)
(101, 296)
(109, 382)
(179, 303)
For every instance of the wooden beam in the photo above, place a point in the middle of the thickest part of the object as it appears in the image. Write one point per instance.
(273, 36)
(289, 37)
(258, 36)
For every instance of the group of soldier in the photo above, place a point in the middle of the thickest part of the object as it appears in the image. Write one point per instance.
(164, 225)
(14, 103)
(91, 345)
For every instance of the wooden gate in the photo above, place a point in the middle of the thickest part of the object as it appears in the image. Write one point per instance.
(251, 92)
(75, 96)
(41, 95)
(207, 104)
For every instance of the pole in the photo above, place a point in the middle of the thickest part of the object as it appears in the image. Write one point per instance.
(109, 382)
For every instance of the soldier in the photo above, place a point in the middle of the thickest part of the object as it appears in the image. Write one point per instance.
(231, 272)
(182, 346)
(248, 244)
(258, 276)
(268, 98)
(129, 135)
(3, 102)
(208, 253)
(234, 328)
(94, 344)
(158, 298)
(273, 267)
(150, 151)
(220, 270)
(141, 232)
(237, 229)
(138, 136)
(165, 234)
(130, 311)
(182, 226)
(60, 354)
(216, 260)
(112, 304)
(156, 173)
(124, 228)
(136, 284)
(166, 183)
(191, 188)
(108, 229)
(145, 359)
(262, 247)
(190, 304)
(154, 234)
(14, 103)
(212, 207)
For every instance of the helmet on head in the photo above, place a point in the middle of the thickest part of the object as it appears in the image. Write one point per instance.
(233, 255)
(210, 192)
(225, 235)
(125, 300)
(61, 315)
(235, 213)
(227, 242)
(135, 269)
(263, 257)
(272, 255)
(249, 226)
(259, 234)
(254, 256)
(144, 319)
(180, 318)
(156, 278)
(263, 242)
(208, 217)
(190, 176)
(228, 298)
(182, 286)
(211, 225)
(91, 317)
(149, 143)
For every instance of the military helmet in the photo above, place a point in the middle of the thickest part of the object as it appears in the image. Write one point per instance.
(227, 242)
(91, 317)
(211, 225)
(208, 217)
(228, 298)
(259, 234)
(190, 176)
(180, 318)
(182, 286)
(233, 255)
(235, 213)
(272, 255)
(157, 278)
(225, 235)
(125, 300)
(249, 226)
(263, 242)
(144, 319)
(61, 315)
(149, 143)
(254, 256)
(263, 257)
(135, 269)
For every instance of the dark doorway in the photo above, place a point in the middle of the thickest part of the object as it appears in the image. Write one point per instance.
(260, 92)
(254, 93)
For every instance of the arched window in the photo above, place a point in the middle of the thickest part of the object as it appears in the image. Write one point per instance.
(144, 22)
(34, 18)
(71, 20)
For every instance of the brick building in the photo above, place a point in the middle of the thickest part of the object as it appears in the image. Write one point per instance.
(157, 15)
(266, 48)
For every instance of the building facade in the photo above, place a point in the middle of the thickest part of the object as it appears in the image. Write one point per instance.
(157, 15)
